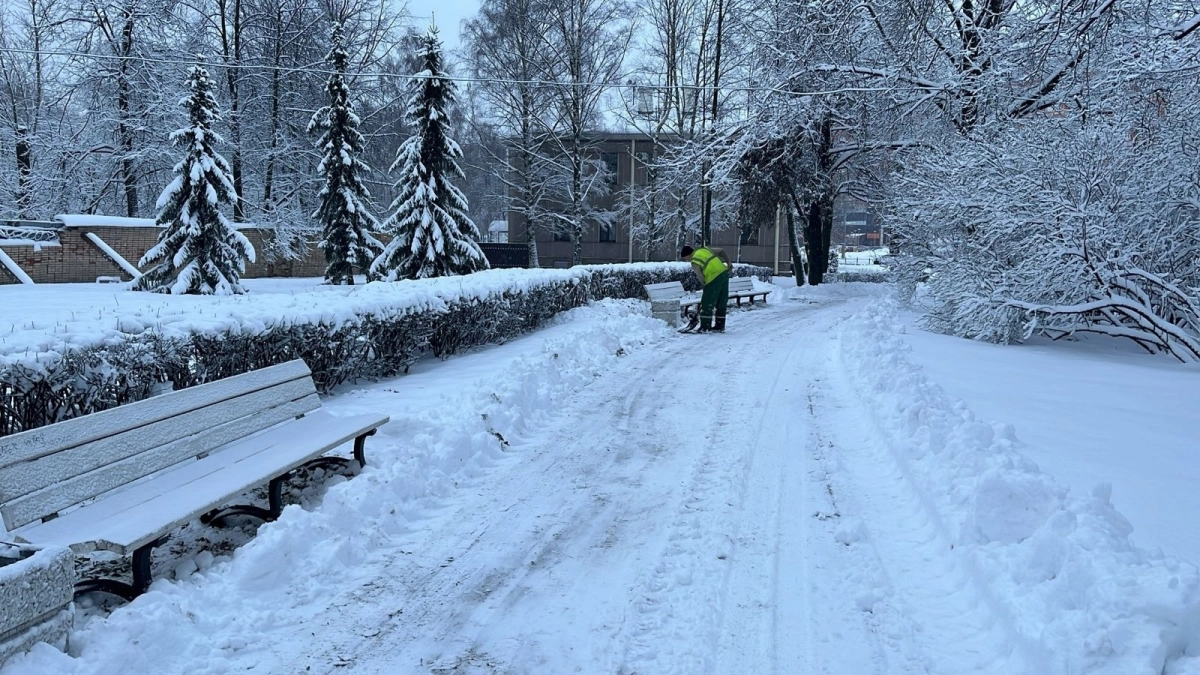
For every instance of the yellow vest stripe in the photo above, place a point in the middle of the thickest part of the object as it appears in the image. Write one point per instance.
(705, 259)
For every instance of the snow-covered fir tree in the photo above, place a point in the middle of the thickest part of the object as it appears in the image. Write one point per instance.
(432, 235)
(200, 252)
(343, 213)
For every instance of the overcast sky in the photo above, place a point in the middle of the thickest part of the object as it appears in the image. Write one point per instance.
(449, 14)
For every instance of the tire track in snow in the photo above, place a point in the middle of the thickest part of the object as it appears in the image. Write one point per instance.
(733, 590)
(916, 571)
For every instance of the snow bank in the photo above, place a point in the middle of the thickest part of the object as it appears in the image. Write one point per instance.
(1063, 564)
(416, 464)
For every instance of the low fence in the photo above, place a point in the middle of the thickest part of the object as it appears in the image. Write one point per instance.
(505, 256)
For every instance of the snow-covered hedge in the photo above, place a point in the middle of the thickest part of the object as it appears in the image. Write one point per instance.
(372, 331)
(1080, 595)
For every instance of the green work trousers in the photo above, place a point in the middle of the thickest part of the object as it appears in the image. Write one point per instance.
(714, 301)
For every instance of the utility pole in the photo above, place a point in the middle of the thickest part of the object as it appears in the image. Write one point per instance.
(632, 184)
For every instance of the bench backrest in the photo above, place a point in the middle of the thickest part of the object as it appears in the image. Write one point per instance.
(665, 291)
(740, 285)
(45, 470)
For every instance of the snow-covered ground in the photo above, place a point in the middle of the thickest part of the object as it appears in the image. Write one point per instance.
(606, 496)
(1090, 412)
(862, 262)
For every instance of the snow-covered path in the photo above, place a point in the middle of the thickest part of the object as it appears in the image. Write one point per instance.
(665, 522)
(674, 517)
(694, 504)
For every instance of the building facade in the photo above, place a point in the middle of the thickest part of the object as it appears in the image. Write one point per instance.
(626, 156)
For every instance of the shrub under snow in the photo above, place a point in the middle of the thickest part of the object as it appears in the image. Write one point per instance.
(1053, 230)
(370, 331)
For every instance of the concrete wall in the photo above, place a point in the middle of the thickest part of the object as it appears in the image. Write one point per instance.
(77, 260)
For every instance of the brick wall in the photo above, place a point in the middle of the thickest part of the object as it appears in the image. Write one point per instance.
(77, 260)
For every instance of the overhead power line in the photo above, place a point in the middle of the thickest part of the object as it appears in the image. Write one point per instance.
(314, 69)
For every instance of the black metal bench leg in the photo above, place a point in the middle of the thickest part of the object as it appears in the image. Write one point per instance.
(142, 577)
(330, 463)
(360, 448)
(274, 506)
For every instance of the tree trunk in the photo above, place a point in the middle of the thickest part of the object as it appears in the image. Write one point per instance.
(269, 176)
(231, 38)
(124, 114)
(798, 270)
(529, 193)
(24, 171)
(576, 204)
(706, 198)
(812, 238)
(819, 214)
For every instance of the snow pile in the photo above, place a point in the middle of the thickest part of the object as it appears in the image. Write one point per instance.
(416, 464)
(1060, 564)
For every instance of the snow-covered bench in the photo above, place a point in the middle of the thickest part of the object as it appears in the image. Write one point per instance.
(122, 480)
(740, 288)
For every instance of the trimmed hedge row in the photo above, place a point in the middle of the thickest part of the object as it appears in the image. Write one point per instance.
(56, 387)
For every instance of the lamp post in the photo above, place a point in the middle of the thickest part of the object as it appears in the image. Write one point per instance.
(778, 226)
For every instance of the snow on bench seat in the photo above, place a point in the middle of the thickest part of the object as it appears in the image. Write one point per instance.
(741, 288)
(136, 515)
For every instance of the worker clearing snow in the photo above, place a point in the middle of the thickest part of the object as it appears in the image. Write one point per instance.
(712, 266)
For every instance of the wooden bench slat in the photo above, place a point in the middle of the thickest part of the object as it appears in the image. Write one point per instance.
(77, 431)
(664, 291)
(26, 477)
(72, 529)
(60, 495)
(139, 514)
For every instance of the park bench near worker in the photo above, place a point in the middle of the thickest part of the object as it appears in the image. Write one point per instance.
(712, 266)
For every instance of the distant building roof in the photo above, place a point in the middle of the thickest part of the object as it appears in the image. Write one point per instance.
(92, 220)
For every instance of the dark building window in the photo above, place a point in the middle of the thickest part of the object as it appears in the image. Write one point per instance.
(608, 233)
(561, 235)
(612, 166)
(749, 235)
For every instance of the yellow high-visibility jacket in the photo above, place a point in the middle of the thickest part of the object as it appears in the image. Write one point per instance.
(710, 266)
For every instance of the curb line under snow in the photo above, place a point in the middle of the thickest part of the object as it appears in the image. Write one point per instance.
(1078, 590)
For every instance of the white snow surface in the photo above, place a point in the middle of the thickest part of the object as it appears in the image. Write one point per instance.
(606, 496)
(91, 220)
(1091, 411)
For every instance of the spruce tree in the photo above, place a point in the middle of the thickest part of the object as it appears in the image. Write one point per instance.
(343, 212)
(432, 235)
(200, 252)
